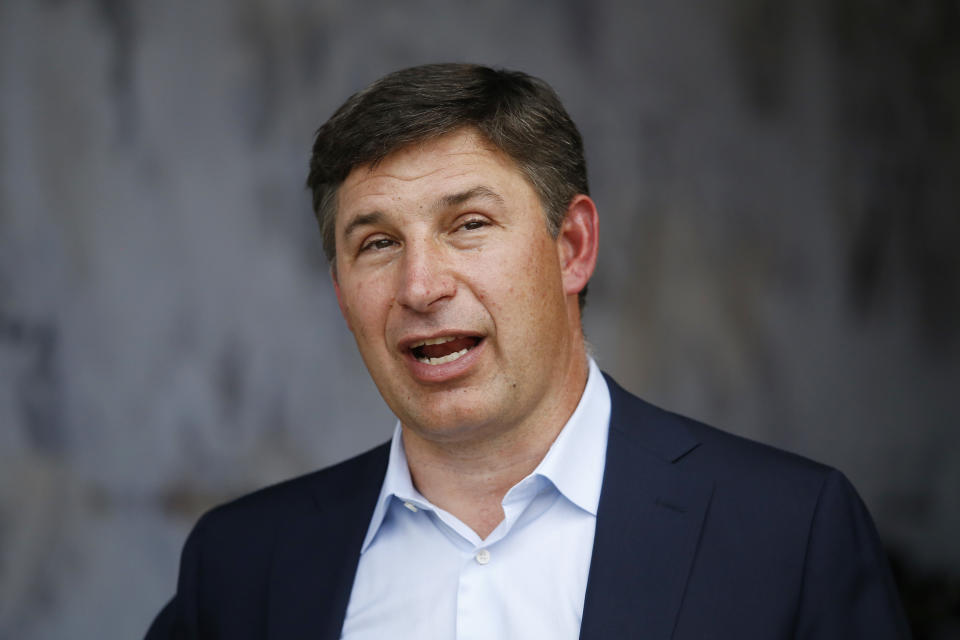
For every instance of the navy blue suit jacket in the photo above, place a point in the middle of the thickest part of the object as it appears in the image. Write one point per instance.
(700, 534)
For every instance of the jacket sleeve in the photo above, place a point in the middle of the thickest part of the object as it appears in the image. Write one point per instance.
(848, 590)
(179, 619)
(163, 625)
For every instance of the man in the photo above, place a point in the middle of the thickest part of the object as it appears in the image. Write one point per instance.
(523, 495)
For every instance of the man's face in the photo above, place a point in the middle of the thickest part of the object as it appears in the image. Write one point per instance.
(452, 286)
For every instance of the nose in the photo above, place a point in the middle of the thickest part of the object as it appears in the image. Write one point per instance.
(425, 278)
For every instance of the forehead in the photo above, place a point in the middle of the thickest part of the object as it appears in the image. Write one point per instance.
(450, 162)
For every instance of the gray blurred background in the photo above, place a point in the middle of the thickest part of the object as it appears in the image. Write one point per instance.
(778, 191)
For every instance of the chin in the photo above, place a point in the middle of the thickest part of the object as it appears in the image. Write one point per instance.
(450, 423)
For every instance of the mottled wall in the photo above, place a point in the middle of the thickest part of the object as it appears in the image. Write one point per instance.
(778, 192)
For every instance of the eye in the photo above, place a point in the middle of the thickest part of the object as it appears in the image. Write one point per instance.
(472, 225)
(377, 244)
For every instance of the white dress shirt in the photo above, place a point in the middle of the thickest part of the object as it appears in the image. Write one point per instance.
(424, 574)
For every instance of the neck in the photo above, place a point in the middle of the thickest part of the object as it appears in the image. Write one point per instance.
(470, 478)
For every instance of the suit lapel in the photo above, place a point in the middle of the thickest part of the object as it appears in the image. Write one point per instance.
(315, 558)
(648, 524)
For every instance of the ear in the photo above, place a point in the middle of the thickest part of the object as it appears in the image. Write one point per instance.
(577, 244)
(336, 289)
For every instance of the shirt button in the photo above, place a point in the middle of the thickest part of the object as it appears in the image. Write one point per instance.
(411, 506)
(483, 556)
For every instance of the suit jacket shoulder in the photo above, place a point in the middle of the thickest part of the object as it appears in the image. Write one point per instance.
(278, 562)
(272, 505)
(701, 533)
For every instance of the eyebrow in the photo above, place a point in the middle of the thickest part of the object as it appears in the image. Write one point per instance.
(361, 220)
(444, 202)
(479, 192)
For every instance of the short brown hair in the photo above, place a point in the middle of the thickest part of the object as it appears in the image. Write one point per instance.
(519, 114)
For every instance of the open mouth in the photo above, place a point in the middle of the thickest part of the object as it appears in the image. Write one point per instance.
(444, 349)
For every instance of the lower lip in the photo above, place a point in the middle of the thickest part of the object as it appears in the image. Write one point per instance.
(435, 373)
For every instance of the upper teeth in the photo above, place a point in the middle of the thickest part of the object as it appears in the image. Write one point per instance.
(430, 341)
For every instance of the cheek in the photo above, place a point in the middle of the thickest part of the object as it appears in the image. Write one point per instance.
(525, 290)
(365, 309)
(540, 272)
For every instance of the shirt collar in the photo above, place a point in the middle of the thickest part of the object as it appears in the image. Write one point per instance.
(574, 463)
(397, 482)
